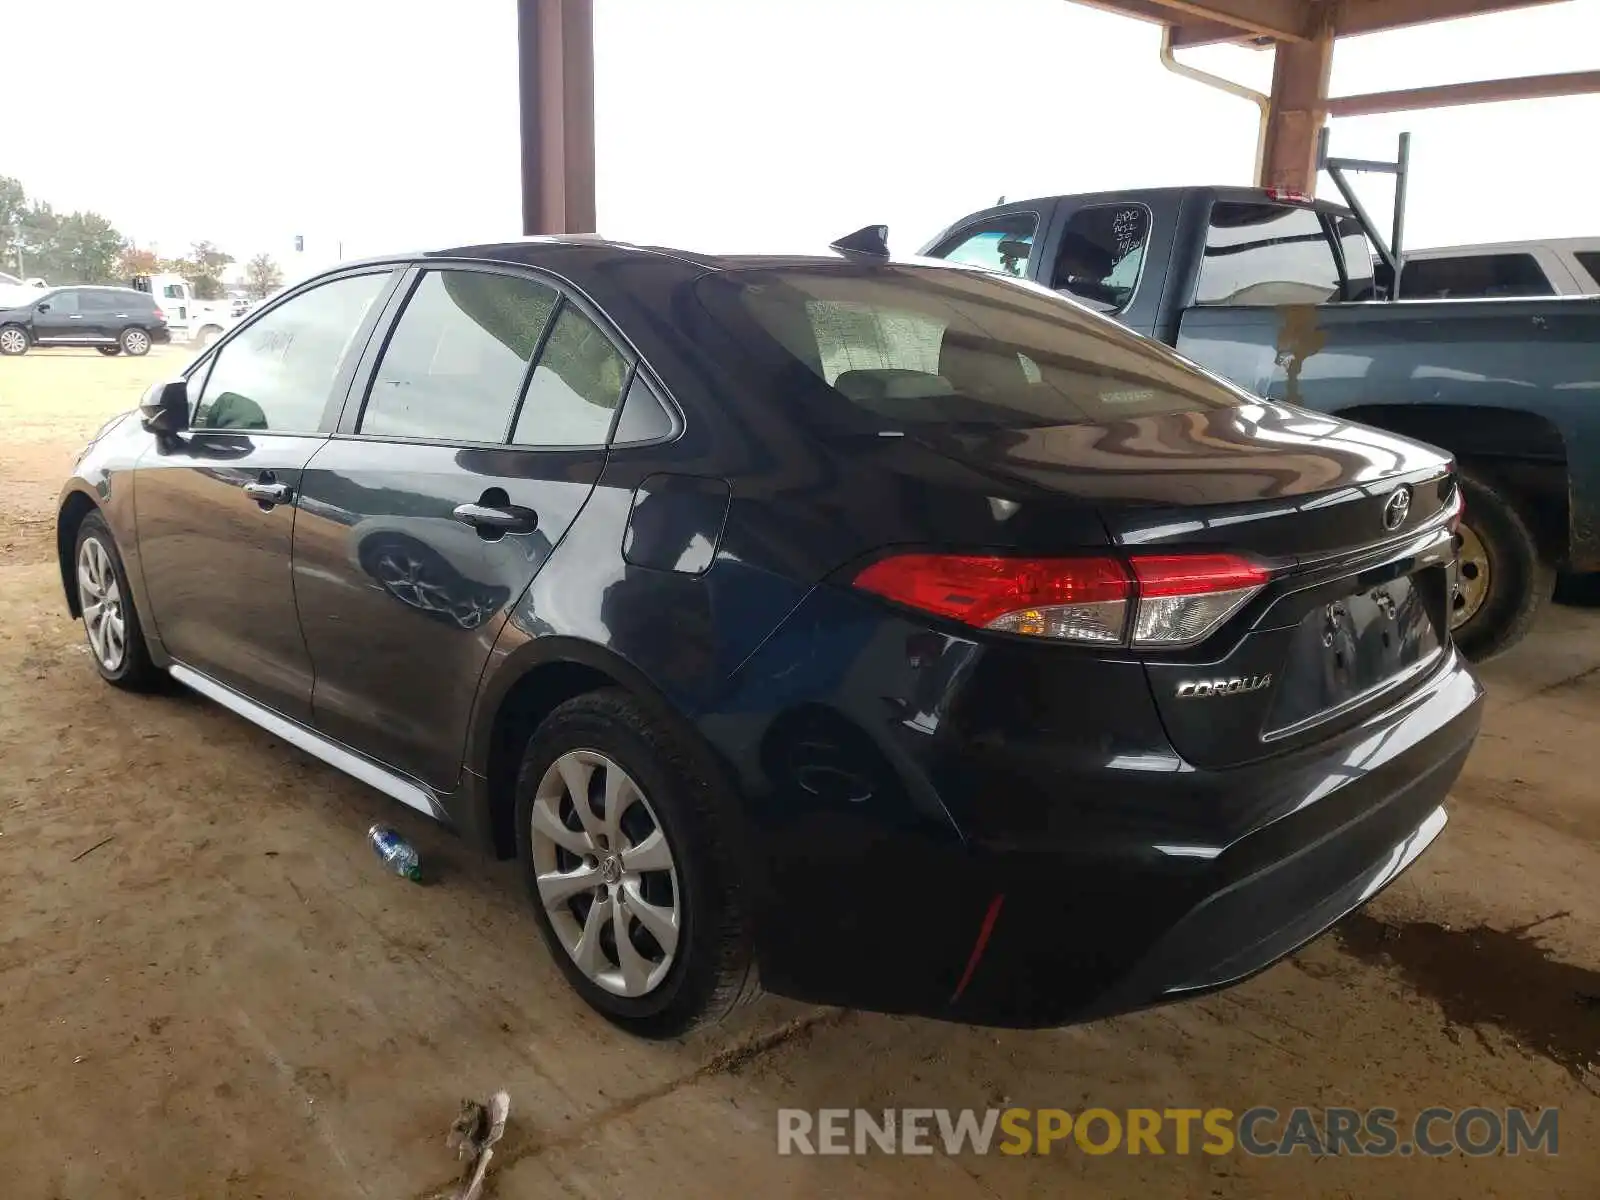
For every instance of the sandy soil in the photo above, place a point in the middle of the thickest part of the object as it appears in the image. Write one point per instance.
(228, 999)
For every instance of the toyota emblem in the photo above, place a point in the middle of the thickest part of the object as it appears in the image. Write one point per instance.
(1397, 509)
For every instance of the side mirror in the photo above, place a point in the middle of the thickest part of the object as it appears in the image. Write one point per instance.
(165, 408)
(44, 306)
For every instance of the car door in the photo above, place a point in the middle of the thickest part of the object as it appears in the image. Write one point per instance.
(96, 307)
(215, 505)
(424, 519)
(57, 318)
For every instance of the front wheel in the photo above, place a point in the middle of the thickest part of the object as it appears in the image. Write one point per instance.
(105, 602)
(135, 342)
(629, 868)
(1502, 579)
(13, 340)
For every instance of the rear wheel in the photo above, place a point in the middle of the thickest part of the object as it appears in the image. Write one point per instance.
(209, 335)
(628, 870)
(109, 351)
(105, 602)
(13, 340)
(135, 342)
(1503, 580)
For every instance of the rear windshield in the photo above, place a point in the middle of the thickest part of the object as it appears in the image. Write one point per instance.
(910, 346)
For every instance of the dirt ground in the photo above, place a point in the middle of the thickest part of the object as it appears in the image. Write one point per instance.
(207, 987)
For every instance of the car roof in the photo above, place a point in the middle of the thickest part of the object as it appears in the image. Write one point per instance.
(595, 252)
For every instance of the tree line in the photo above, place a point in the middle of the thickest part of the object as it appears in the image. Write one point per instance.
(85, 247)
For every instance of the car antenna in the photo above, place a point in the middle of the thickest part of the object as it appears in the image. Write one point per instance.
(869, 239)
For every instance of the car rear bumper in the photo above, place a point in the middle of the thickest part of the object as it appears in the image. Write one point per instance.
(161, 335)
(1065, 885)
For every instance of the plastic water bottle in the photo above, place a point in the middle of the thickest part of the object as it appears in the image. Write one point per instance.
(395, 852)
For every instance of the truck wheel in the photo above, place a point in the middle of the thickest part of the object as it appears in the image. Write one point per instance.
(1503, 580)
(13, 339)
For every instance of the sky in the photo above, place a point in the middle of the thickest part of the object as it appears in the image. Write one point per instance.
(368, 127)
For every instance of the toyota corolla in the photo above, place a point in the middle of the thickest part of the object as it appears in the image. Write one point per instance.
(885, 633)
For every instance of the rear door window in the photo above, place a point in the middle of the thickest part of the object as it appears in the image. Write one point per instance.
(1001, 244)
(457, 358)
(1267, 254)
(1474, 276)
(1101, 253)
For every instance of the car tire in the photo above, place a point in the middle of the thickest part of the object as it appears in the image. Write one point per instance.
(109, 351)
(134, 341)
(103, 593)
(1503, 578)
(607, 741)
(14, 340)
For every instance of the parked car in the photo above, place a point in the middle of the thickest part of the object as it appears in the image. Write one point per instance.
(900, 635)
(111, 319)
(1276, 293)
(1551, 267)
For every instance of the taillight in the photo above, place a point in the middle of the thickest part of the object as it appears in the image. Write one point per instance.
(1183, 597)
(160, 316)
(1173, 599)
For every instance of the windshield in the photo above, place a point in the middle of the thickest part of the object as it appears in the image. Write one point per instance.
(914, 346)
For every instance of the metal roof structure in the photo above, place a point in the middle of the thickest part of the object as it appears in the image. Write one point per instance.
(556, 71)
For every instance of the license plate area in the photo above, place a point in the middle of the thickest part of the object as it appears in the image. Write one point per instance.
(1351, 649)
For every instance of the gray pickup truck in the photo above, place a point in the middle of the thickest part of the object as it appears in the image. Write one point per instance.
(1277, 293)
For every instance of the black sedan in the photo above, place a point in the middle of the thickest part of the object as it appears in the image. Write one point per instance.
(893, 633)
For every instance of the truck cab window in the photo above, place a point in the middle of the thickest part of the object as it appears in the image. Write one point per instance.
(1267, 254)
(1102, 250)
(1001, 244)
(1474, 276)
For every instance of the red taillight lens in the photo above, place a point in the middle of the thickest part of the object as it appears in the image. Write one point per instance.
(1074, 599)
(1176, 599)
(160, 316)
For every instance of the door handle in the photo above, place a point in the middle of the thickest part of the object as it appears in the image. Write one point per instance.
(268, 493)
(495, 519)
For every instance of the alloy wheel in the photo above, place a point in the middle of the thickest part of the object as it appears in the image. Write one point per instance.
(1472, 585)
(100, 599)
(135, 341)
(13, 341)
(605, 873)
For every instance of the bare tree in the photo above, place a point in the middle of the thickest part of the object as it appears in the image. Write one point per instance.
(262, 276)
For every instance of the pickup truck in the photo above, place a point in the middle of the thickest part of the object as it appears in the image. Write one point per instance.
(1552, 267)
(1276, 292)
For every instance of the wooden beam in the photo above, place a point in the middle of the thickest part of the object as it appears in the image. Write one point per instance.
(1188, 28)
(1485, 91)
(1281, 20)
(555, 60)
(1371, 16)
(1297, 112)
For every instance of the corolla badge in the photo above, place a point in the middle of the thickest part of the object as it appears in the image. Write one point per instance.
(1397, 508)
(1236, 686)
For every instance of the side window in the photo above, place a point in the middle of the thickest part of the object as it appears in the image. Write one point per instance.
(1589, 260)
(276, 372)
(62, 304)
(1001, 244)
(644, 414)
(1473, 276)
(172, 291)
(1358, 260)
(454, 366)
(1266, 254)
(575, 386)
(96, 302)
(1102, 250)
